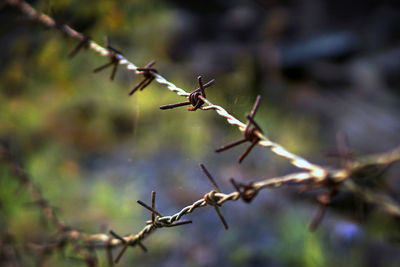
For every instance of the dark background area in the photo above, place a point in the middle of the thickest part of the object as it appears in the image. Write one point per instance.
(321, 67)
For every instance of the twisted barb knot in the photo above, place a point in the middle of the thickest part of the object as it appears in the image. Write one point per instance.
(211, 198)
(195, 97)
(148, 76)
(246, 191)
(195, 100)
(147, 71)
(250, 134)
(248, 194)
(157, 223)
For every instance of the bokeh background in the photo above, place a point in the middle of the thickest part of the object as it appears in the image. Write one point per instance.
(321, 67)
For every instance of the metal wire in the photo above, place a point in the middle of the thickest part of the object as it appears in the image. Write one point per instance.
(301, 178)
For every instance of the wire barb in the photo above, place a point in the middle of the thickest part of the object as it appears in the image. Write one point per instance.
(114, 55)
(250, 133)
(148, 77)
(125, 246)
(324, 200)
(153, 211)
(156, 221)
(153, 204)
(246, 191)
(196, 98)
(211, 198)
(83, 43)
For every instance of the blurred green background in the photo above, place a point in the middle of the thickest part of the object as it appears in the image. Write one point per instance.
(318, 65)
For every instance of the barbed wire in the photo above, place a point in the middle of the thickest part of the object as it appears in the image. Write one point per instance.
(118, 58)
(64, 232)
(214, 198)
(314, 176)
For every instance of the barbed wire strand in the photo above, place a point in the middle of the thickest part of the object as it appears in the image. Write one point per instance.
(279, 150)
(44, 205)
(315, 174)
(106, 241)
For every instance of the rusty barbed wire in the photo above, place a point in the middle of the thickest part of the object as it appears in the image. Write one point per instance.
(25, 180)
(215, 198)
(314, 176)
(114, 56)
(250, 133)
(150, 74)
(195, 97)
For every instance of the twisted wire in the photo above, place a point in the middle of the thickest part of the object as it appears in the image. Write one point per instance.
(300, 178)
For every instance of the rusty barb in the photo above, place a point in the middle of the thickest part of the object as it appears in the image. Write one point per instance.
(114, 55)
(250, 133)
(324, 200)
(155, 215)
(246, 191)
(148, 77)
(83, 43)
(196, 98)
(154, 223)
(211, 198)
(345, 154)
(125, 246)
